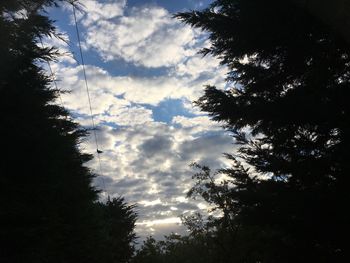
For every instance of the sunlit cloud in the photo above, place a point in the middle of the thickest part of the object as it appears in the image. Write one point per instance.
(147, 36)
(150, 203)
(147, 128)
(166, 221)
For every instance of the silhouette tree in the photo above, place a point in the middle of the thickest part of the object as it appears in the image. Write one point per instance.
(48, 208)
(289, 77)
(117, 228)
(174, 248)
(150, 252)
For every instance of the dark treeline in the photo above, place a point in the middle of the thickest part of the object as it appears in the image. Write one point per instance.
(284, 198)
(286, 194)
(49, 212)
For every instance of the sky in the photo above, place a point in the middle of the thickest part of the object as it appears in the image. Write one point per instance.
(144, 72)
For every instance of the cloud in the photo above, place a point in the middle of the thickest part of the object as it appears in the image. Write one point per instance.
(152, 164)
(146, 36)
(197, 65)
(95, 11)
(158, 144)
(126, 115)
(145, 158)
(196, 125)
(90, 11)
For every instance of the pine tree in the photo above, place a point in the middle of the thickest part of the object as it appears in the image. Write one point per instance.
(289, 77)
(48, 210)
(117, 227)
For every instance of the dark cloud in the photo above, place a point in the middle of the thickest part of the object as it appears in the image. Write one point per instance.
(158, 145)
(146, 149)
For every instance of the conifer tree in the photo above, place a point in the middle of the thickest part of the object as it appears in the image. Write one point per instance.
(289, 77)
(117, 227)
(48, 208)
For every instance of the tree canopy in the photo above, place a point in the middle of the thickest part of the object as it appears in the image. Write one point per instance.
(49, 210)
(283, 199)
(288, 109)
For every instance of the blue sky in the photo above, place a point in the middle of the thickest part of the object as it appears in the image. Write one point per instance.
(143, 72)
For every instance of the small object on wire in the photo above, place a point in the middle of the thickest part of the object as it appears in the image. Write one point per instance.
(87, 91)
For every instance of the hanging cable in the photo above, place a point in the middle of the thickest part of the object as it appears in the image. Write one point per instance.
(98, 151)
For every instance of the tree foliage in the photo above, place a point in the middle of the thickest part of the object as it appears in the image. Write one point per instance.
(48, 208)
(173, 249)
(117, 230)
(289, 77)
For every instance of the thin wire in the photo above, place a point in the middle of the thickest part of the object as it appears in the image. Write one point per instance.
(53, 76)
(88, 95)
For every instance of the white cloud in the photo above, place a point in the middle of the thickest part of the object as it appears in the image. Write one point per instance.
(197, 65)
(139, 153)
(171, 220)
(147, 36)
(196, 124)
(150, 203)
(127, 115)
(143, 159)
(104, 88)
(91, 11)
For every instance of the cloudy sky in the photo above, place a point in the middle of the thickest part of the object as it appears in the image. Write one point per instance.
(143, 72)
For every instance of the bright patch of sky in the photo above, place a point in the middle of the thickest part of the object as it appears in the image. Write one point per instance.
(143, 72)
